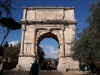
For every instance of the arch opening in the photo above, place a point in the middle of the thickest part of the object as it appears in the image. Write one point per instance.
(47, 35)
(51, 50)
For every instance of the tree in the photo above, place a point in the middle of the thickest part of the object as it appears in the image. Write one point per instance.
(1, 50)
(12, 52)
(7, 23)
(87, 47)
(41, 55)
(5, 45)
(6, 7)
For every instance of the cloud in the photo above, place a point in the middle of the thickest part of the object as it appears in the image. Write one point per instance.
(50, 52)
(13, 42)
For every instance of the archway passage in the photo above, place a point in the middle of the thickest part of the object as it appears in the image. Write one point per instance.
(45, 22)
(51, 55)
(50, 47)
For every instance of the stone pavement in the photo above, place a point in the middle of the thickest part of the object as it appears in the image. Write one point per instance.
(44, 72)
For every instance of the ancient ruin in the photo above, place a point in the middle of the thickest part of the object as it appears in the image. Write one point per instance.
(44, 22)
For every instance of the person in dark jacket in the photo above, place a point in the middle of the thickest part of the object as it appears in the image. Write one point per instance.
(92, 67)
(1, 67)
(49, 67)
(34, 68)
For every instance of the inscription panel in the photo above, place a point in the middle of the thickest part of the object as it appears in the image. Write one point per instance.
(49, 14)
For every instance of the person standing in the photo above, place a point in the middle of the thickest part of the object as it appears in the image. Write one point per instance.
(1, 67)
(50, 68)
(92, 67)
(34, 68)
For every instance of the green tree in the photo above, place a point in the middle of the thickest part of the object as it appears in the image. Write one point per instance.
(12, 52)
(5, 45)
(87, 47)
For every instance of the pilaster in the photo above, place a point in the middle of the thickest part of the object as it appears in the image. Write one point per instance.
(63, 43)
(22, 40)
(34, 40)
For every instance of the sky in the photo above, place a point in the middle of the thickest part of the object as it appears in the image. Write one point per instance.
(49, 44)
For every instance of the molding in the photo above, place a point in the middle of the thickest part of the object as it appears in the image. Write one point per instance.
(32, 8)
(47, 21)
(26, 55)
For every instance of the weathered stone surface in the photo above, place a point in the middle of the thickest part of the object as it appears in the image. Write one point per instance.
(44, 22)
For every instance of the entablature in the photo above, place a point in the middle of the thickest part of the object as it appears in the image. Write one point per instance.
(46, 21)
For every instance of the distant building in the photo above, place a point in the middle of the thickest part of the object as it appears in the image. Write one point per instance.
(54, 62)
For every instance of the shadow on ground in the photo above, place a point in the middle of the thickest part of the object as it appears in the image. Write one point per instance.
(44, 72)
(9, 72)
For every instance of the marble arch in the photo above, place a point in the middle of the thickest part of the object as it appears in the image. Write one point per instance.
(42, 22)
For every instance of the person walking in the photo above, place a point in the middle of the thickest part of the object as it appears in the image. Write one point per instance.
(34, 68)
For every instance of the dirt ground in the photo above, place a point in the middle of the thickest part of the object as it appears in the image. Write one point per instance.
(44, 72)
(76, 73)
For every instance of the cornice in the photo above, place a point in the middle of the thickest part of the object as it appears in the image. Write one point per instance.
(62, 21)
(41, 7)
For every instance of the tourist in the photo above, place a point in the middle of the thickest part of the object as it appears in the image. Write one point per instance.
(49, 67)
(92, 67)
(1, 67)
(34, 68)
(80, 67)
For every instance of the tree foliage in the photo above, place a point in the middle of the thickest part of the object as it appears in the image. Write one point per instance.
(87, 47)
(5, 45)
(41, 55)
(6, 7)
(7, 23)
(12, 52)
(1, 50)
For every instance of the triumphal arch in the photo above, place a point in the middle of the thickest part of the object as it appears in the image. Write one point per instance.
(45, 22)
